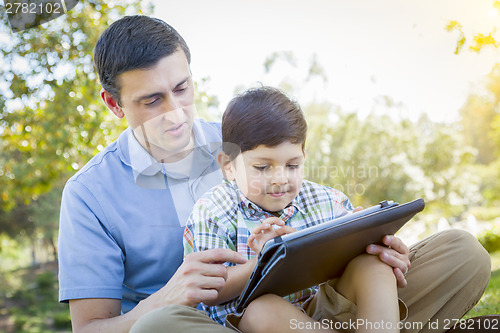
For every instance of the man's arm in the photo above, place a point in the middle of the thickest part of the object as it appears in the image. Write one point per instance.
(199, 279)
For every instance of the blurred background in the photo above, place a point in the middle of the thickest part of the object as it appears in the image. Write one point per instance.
(402, 100)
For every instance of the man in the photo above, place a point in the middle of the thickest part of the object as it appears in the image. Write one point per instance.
(123, 214)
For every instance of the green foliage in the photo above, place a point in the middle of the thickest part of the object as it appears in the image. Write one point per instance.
(480, 40)
(45, 280)
(490, 239)
(62, 319)
(477, 118)
(380, 158)
(31, 294)
(52, 120)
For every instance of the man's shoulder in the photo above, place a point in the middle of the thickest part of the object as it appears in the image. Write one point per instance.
(107, 159)
(211, 128)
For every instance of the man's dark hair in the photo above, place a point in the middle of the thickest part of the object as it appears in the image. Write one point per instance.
(261, 116)
(134, 42)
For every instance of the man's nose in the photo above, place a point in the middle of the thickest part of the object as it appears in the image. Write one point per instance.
(174, 115)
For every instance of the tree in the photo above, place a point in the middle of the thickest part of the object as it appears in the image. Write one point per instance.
(51, 119)
(479, 40)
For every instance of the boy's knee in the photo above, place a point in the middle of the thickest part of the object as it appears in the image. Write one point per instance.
(264, 305)
(367, 264)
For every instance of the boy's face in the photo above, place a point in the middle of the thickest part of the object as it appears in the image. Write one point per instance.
(158, 103)
(270, 177)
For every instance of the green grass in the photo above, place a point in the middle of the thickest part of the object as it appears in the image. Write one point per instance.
(490, 302)
(29, 304)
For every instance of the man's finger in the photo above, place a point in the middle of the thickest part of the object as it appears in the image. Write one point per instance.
(218, 255)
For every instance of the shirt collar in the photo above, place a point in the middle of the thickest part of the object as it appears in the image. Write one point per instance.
(144, 164)
(252, 211)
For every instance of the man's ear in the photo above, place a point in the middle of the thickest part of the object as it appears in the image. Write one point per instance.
(225, 165)
(112, 103)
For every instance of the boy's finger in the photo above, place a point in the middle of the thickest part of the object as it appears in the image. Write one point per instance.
(261, 227)
(273, 220)
(357, 209)
(284, 230)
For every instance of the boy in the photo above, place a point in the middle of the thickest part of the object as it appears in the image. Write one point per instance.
(265, 196)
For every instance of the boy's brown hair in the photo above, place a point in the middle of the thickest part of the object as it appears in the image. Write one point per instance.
(261, 116)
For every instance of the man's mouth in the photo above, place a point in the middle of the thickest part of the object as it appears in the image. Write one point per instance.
(177, 130)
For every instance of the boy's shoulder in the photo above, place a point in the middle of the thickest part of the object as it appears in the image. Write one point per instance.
(313, 194)
(310, 188)
(221, 198)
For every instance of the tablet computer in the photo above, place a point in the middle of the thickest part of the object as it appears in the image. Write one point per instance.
(314, 255)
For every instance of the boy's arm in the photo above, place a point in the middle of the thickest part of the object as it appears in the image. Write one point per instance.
(237, 276)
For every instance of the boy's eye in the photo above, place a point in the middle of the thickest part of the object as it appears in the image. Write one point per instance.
(260, 167)
(293, 166)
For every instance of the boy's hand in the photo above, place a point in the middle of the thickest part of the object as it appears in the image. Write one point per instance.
(394, 254)
(265, 231)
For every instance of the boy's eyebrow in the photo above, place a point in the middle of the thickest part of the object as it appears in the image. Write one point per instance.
(266, 159)
(160, 94)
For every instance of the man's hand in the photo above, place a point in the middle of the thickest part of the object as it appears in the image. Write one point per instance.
(199, 279)
(265, 231)
(395, 254)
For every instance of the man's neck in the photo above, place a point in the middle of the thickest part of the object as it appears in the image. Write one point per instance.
(163, 156)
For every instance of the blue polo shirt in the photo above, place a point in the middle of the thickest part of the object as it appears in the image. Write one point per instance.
(123, 216)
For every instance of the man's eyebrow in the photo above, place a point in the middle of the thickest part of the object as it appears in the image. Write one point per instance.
(145, 97)
(182, 82)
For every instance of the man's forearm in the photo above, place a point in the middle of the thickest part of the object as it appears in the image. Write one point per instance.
(103, 315)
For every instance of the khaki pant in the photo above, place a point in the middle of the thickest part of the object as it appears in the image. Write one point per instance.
(449, 272)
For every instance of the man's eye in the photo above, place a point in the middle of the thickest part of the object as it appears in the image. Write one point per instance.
(180, 90)
(152, 102)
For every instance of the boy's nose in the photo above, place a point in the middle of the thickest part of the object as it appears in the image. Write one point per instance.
(279, 177)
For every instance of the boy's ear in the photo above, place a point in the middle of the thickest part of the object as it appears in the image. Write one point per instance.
(225, 165)
(112, 103)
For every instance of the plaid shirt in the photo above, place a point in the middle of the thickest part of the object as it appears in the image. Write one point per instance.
(224, 217)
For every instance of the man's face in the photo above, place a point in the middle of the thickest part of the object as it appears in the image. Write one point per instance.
(158, 103)
(270, 177)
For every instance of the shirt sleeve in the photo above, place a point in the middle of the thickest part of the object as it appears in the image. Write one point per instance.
(206, 229)
(90, 260)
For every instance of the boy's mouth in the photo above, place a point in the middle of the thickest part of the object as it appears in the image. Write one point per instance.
(277, 194)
